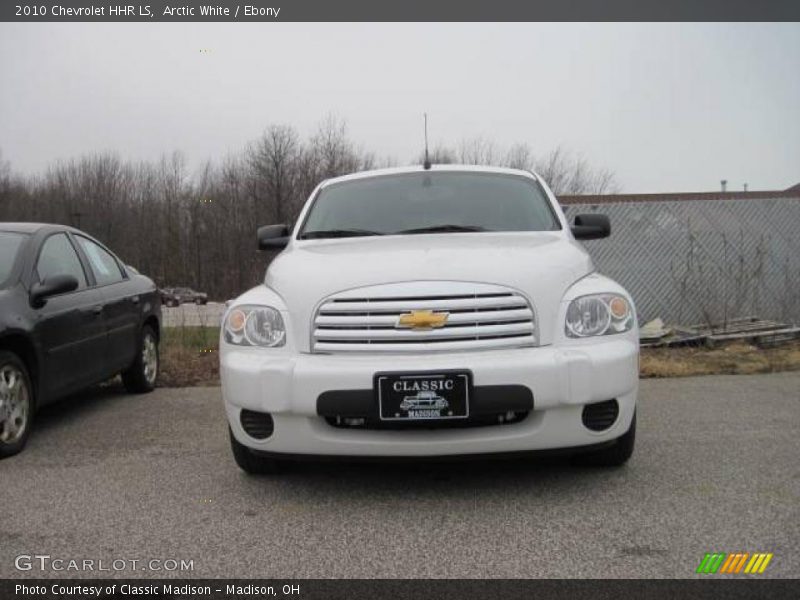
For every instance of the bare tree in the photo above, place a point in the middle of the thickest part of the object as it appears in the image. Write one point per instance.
(332, 151)
(5, 186)
(519, 156)
(273, 159)
(198, 229)
(438, 155)
(476, 151)
(5, 171)
(566, 174)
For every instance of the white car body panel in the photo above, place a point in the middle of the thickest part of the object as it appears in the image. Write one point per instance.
(548, 268)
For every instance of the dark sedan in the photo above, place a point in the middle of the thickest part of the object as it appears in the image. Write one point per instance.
(181, 295)
(71, 315)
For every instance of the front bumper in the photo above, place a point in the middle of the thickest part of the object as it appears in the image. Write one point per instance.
(562, 379)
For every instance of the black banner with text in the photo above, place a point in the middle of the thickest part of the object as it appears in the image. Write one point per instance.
(408, 10)
(461, 589)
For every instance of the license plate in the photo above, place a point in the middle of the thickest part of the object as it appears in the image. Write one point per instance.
(423, 396)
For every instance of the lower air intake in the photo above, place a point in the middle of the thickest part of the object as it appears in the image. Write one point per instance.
(257, 425)
(601, 415)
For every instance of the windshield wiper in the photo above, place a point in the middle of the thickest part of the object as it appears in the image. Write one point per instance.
(445, 229)
(337, 233)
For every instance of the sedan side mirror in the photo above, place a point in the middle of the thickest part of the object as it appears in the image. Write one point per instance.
(273, 236)
(51, 286)
(591, 227)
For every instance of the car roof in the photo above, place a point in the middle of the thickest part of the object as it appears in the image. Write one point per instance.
(434, 169)
(32, 227)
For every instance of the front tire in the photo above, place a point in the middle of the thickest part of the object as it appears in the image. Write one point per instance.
(16, 404)
(252, 463)
(613, 456)
(141, 376)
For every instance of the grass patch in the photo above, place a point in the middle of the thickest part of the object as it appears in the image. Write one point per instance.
(190, 357)
(735, 358)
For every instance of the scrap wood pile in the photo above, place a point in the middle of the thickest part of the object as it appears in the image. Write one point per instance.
(759, 332)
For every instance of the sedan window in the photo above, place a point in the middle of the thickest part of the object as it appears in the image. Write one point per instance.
(10, 243)
(58, 257)
(104, 266)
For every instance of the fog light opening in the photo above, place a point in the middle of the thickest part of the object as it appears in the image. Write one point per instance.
(258, 425)
(600, 415)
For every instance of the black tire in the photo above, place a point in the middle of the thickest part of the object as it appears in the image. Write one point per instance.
(198, 301)
(11, 363)
(138, 379)
(613, 456)
(254, 464)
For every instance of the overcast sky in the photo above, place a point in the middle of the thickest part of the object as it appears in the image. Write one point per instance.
(672, 107)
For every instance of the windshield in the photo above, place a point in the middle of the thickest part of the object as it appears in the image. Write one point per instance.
(10, 243)
(432, 202)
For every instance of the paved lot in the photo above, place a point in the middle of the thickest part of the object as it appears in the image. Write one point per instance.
(112, 476)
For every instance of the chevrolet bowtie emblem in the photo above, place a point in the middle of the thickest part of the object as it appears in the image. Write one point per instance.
(422, 319)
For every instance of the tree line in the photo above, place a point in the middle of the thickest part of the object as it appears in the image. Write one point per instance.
(198, 229)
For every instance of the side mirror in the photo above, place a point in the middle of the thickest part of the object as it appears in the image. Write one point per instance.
(591, 227)
(273, 236)
(51, 286)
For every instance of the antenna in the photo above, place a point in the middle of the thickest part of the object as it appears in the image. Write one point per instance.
(427, 164)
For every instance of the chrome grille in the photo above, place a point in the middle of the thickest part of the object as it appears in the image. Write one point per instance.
(479, 317)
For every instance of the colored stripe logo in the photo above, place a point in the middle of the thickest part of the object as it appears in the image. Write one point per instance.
(738, 562)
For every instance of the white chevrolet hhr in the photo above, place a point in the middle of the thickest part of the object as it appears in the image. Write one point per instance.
(464, 284)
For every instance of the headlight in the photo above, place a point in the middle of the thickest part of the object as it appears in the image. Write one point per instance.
(254, 326)
(598, 314)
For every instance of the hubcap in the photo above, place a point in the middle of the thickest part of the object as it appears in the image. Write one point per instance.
(150, 358)
(14, 404)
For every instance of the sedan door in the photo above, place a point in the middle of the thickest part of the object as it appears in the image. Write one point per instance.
(122, 302)
(69, 328)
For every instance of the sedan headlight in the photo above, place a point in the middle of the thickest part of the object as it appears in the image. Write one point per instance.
(598, 314)
(254, 326)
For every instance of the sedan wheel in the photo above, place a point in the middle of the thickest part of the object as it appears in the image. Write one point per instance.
(141, 376)
(16, 406)
(150, 357)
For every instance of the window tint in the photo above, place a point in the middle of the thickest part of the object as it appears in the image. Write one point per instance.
(104, 266)
(58, 257)
(10, 244)
(397, 203)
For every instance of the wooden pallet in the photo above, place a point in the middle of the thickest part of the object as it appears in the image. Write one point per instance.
(764, 333)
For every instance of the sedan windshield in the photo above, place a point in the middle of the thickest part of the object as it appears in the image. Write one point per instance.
(431, 202)
(10, 243)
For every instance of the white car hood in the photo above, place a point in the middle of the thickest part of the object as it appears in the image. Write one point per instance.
(540, 265)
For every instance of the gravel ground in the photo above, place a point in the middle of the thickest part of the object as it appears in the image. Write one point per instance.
(112, 476)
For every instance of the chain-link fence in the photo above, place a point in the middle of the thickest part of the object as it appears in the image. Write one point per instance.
(193, 315)
(693, 261)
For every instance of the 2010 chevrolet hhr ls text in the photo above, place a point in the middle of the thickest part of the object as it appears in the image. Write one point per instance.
(431, 312)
